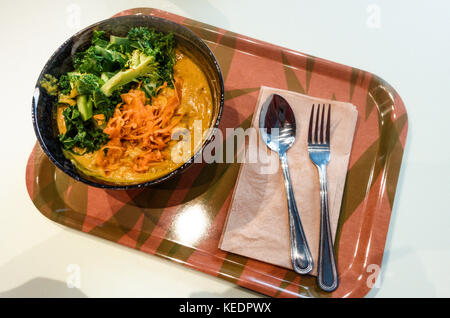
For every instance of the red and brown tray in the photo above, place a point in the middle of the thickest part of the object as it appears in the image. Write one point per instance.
(154, 219)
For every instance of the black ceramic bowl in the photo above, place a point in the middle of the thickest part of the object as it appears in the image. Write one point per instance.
(44, 105)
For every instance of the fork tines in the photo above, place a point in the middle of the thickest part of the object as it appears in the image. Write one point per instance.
(318, 136)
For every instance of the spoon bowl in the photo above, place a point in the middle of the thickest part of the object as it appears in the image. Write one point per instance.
(277, 124)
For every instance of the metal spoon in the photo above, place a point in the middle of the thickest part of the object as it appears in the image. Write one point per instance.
(278, 128)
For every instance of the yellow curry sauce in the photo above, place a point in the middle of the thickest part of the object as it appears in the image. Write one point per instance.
(196, 104)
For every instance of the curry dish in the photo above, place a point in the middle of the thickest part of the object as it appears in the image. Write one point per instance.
(133, 158)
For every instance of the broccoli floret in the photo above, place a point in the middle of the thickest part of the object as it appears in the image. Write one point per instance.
(157, 44)
(151, 61)
(139, 65)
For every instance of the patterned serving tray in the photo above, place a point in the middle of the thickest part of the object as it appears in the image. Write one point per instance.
(182, 219)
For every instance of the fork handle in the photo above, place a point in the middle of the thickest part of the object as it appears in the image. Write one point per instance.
(327, 272)
(301, 256)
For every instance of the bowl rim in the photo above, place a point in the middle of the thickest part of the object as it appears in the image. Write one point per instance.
(213, 128)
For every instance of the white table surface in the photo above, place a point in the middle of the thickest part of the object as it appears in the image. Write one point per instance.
(404, 42)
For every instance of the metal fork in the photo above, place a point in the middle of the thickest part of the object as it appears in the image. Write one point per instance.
(319, 152)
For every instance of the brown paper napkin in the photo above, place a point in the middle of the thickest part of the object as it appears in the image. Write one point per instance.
(257, 225)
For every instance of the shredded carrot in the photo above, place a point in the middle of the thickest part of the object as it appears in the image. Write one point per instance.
(99, 118)
(139, 131)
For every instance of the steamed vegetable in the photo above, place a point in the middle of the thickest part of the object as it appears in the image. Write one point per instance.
(84, 107)
(81, 136)
(109, 67)
(50, 84)
(140, 64)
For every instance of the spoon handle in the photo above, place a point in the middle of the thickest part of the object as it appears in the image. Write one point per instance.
(300, 253)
